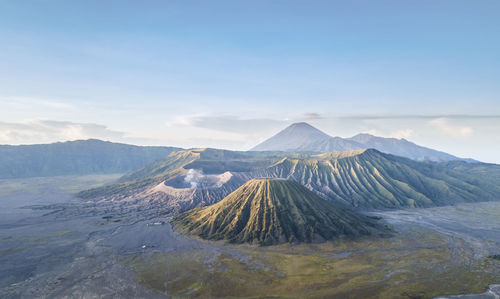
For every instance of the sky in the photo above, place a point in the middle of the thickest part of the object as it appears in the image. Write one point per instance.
(229, 74)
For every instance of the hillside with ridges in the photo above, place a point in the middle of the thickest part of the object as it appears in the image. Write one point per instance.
(148, 175)
(485, 171)
(272, 211)
(174, 161)
(371, 179)
(366, 179)
(178, 163)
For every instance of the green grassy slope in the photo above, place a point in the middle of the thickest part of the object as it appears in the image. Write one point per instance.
(485, 171)
(360, 178)
(371, 179)
(271, 211)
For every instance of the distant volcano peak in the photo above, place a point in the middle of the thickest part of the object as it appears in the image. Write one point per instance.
(302, 137)
(301, 124)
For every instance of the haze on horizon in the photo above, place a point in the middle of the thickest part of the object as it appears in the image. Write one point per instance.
(231, 74)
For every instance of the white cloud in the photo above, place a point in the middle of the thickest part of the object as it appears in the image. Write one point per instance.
(42, 131)
(406, 134)
(23, 102)
(371, 132)
(227, 123)
(312, 115)
(184, 120)
(444, 126)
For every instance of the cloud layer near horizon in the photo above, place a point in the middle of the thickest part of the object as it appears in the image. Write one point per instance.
(46, 131)
(472, 136)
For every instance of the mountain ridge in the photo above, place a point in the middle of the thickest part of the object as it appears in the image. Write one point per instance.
(92, 156)
(302, 137)
(372, 179)
(402, 147)
(362, 179)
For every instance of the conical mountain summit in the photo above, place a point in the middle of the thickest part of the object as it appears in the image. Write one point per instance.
(302, 137)
(272, 211)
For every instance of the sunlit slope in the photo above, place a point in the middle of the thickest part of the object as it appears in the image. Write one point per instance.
(146, 176)
(206, 160)
(271, 211)
(371, 179)
(360, 178)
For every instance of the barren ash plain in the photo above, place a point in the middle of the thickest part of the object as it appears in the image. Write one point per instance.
(54, 245)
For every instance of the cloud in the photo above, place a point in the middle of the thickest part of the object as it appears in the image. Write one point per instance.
(182, 120)
(226, 123)
(419, 116)
(33, 102)
(406, 134)
(445, 127)
(371, 132)
(312, 115)
(42, 131)
(239, 125)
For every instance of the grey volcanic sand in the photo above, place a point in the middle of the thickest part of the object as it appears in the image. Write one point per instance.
(477, 224)
(52, 245)
(493, 292)
(69, 249)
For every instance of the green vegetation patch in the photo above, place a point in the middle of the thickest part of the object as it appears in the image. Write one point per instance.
(368, 268)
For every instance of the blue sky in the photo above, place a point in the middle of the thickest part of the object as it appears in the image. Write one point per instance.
(231, 73)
